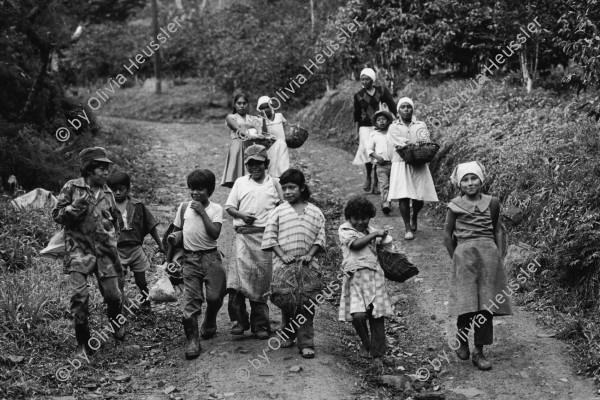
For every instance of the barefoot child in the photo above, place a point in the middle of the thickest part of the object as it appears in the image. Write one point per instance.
(137, 223)
(364, 295)
(381, 154)
(202, 263)
(478, 276)
(296, 232)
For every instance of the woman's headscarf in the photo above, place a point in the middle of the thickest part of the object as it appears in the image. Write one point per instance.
(473, 167)
(405, 100)
(263, 100)
(369, 72)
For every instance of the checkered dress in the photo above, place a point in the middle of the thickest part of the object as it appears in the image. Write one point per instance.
(364, 282)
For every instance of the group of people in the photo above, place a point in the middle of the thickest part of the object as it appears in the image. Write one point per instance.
(277, 228)
(380, 134)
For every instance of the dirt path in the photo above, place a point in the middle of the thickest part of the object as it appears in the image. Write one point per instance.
(525, 366)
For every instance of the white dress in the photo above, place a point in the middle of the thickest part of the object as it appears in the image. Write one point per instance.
(279, 159)
(407, 181)
(362, 154)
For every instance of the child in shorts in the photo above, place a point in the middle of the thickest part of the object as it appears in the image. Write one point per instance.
(202, 263)
(137, 223)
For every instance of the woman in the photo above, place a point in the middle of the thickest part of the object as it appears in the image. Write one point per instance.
(408, 182)
(366, 102)
(250, 202)
(278, 152)
(242, 126)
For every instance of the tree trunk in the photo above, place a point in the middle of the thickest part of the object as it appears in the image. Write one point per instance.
(312, 17)
(527, 78)
(157, 72)
(37, 84)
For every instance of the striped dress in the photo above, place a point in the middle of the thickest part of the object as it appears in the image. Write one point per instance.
(364, 281)
(294, 233)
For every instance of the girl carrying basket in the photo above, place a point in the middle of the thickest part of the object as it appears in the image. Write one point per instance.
(295, 232)
(478, 282)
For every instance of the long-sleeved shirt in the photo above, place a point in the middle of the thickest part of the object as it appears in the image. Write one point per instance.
(90, 233)
(365, 106)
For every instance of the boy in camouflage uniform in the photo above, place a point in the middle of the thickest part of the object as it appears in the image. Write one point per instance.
(87, 209)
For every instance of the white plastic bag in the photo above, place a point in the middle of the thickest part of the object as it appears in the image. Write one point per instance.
(162, 291)
(56, 246)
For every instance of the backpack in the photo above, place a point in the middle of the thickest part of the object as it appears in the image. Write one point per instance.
(174, 270)
(495, 211)
(171, 227)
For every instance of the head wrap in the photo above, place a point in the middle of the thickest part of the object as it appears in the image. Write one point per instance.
(405, 100)
(369, 72)
(263, 100)
(93, 154)
(255, 152)
(473, 167)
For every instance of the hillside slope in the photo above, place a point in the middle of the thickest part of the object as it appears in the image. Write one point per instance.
(542, 162)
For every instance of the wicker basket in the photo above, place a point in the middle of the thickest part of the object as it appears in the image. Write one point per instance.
(267, 142)
(396, 265)
(295, 136)
(294, 284)
(419, 153)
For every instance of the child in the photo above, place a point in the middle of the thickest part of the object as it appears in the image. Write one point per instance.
(137, 223)
(202, 264)
(249, 276)
(296, 232)
(478, 275)
(364, 295)
(380, 154)
(278, 152)
(87, 209)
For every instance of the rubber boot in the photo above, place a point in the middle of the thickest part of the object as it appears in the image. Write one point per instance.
(82, 334)
(113, 312)
(368, 184)
(375, 189)
(190, 327)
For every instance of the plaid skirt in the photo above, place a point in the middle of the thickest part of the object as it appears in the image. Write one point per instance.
(362, 288)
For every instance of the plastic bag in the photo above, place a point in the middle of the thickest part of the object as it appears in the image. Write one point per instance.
(163, 291)
(56, 246)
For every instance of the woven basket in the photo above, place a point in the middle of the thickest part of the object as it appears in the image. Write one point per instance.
(294, 284)
(267, 142)
(419, 153)
(396, 265)
(295, 136)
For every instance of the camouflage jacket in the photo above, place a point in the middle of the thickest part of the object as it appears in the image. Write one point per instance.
(90, 234)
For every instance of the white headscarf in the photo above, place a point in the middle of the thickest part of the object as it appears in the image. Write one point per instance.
(369, 72)
(473, 167)
(405, 100)
(263, 100)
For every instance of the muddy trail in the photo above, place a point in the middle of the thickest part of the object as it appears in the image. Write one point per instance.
(525, 366)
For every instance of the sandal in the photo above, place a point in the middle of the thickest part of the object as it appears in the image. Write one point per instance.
(409, 236)
(307, 353)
